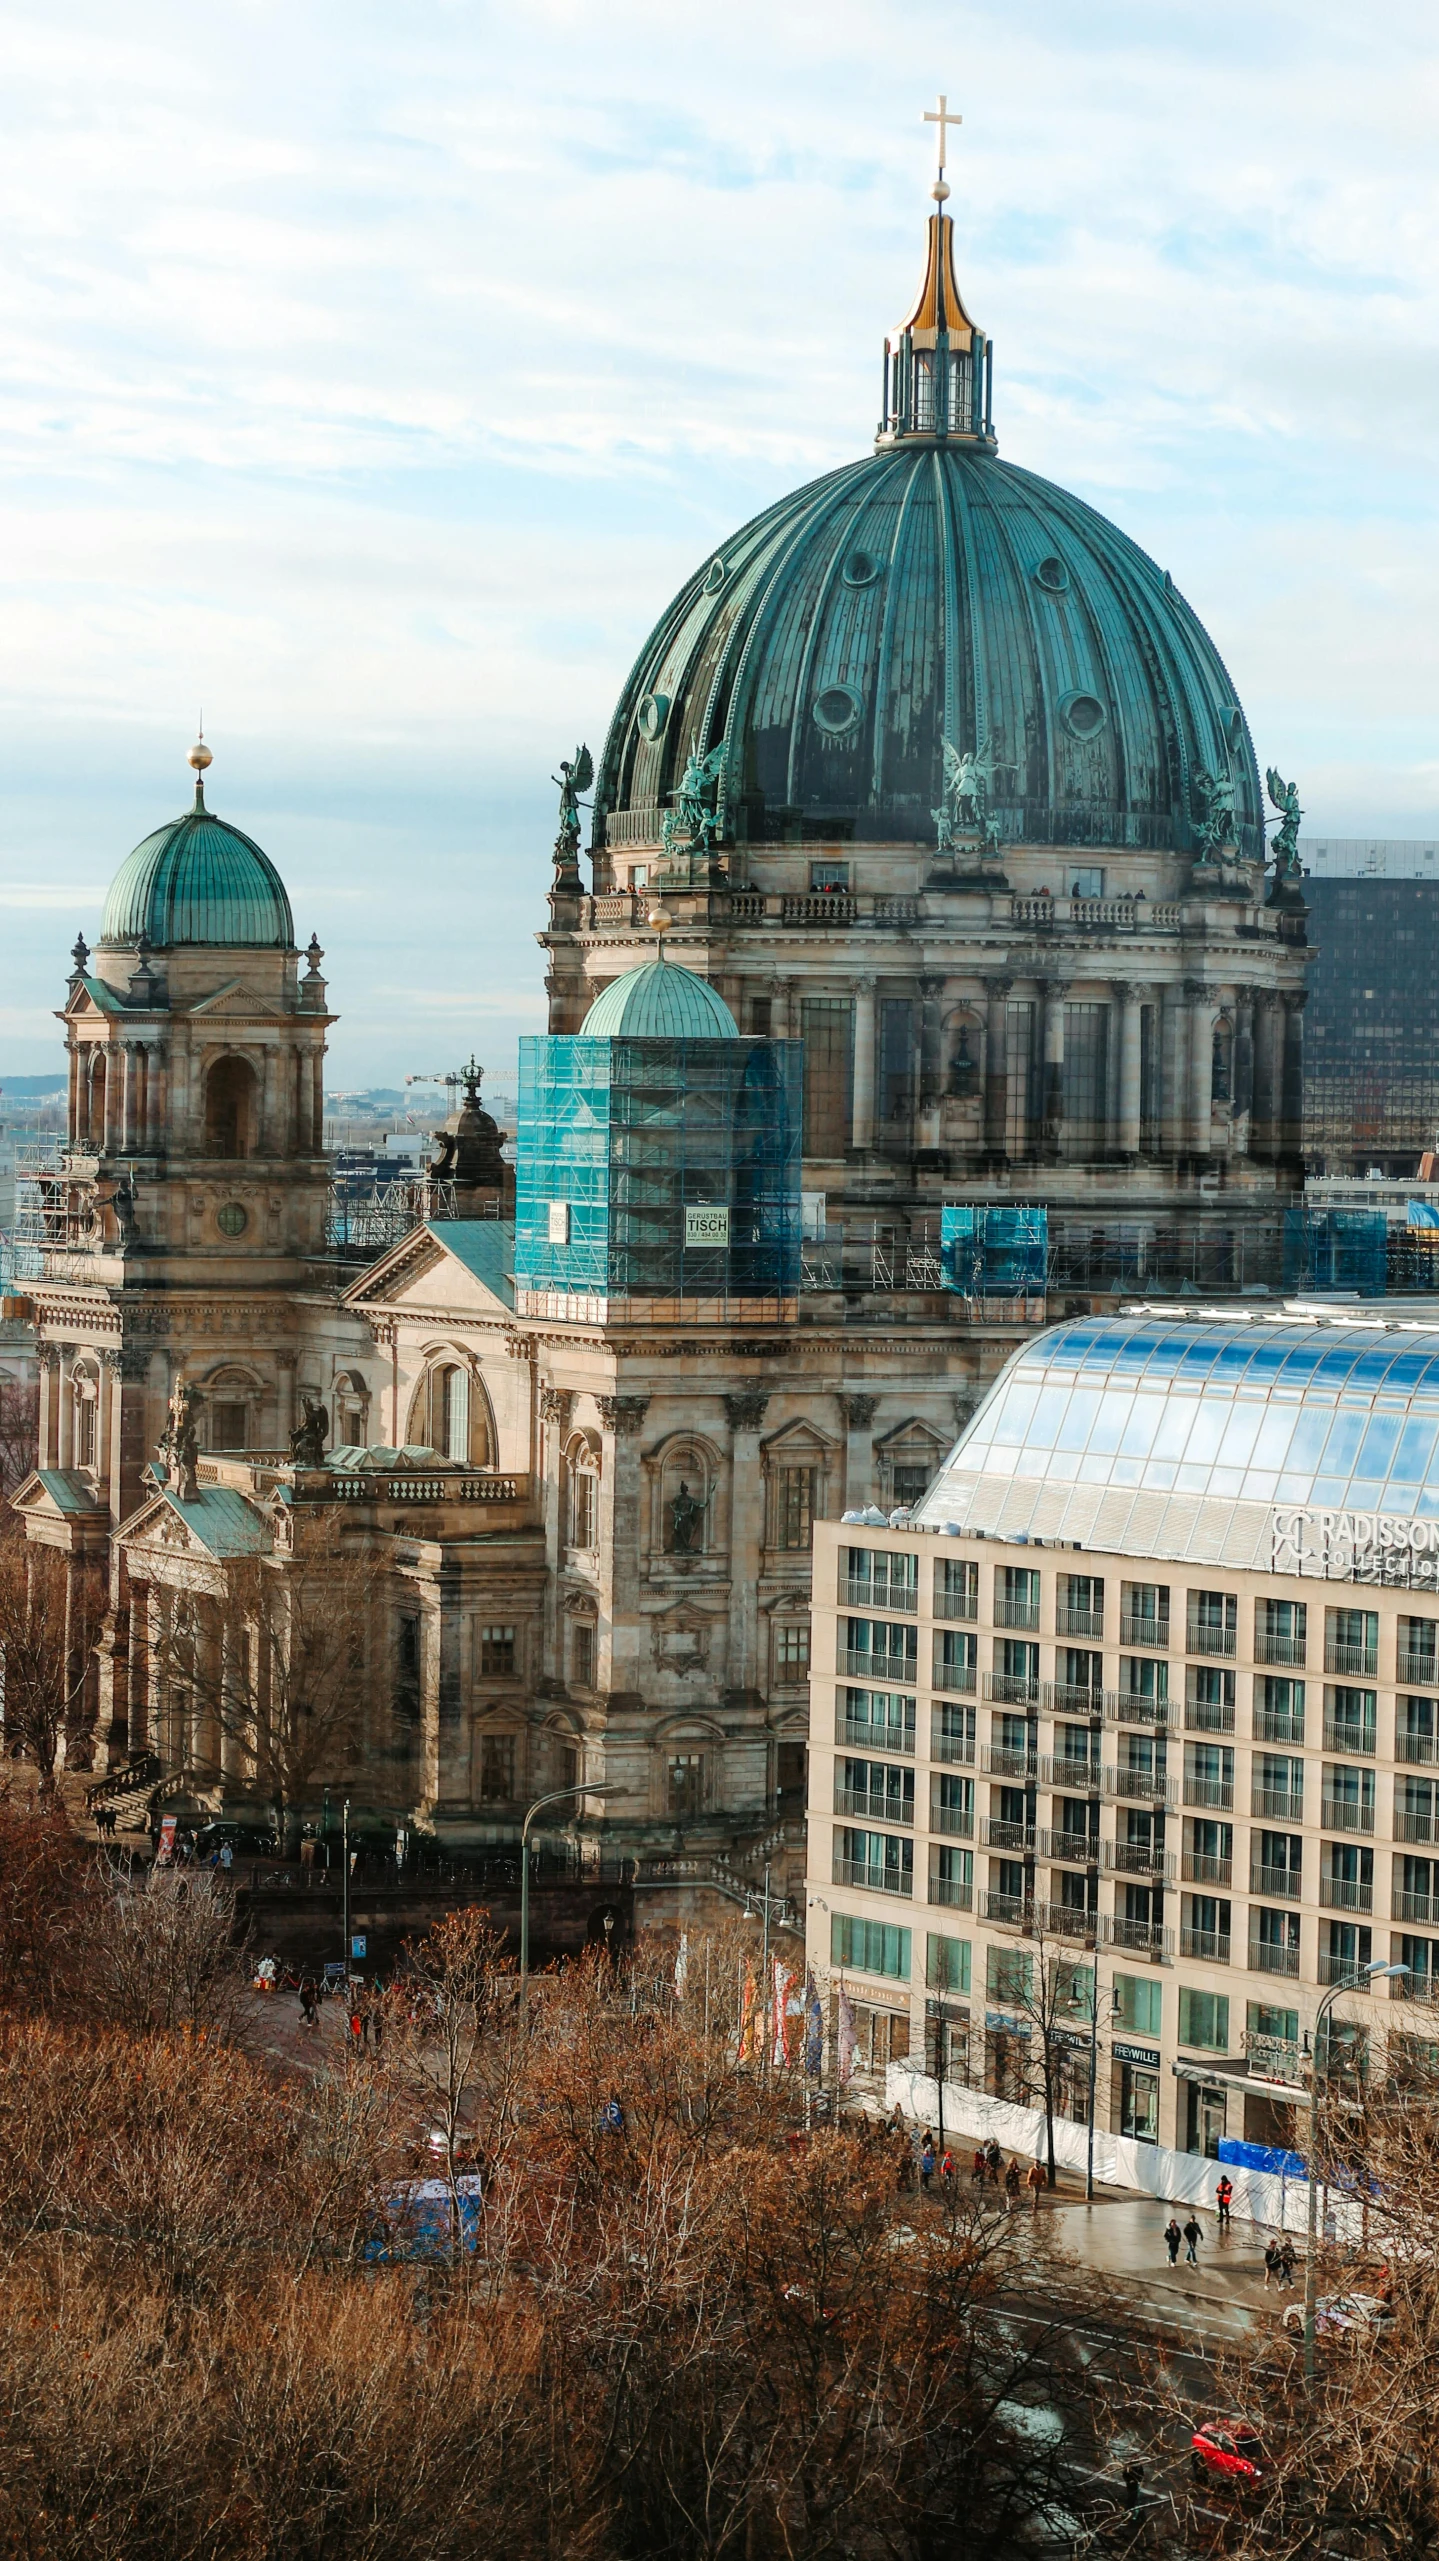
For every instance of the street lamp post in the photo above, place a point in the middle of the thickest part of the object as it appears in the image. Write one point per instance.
(765, 1904)
(1365, 1974)
(556, 1796)
(345, 1889)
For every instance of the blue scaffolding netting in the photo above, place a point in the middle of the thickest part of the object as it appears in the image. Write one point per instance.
(994, 1253)
(1343, 1249)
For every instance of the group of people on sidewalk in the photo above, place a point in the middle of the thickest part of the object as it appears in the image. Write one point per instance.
(987, 2167)
(1278, 2257)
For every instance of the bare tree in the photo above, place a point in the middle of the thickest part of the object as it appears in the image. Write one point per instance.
(269, 1677)
(1049, 1988)
(49, 1617)
(165, 1953)
(19, 1434)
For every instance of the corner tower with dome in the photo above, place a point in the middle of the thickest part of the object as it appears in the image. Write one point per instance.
(939, 773)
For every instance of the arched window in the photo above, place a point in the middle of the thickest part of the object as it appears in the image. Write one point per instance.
(584, 1497)
(230, 1108)
(85, 1408)
(352, 1410)
(227, 1410)
(449, 1413)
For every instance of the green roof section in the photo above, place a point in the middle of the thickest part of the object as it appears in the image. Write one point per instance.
(69, 1491)
(486, 1247)
(223, 1521)
(199, 881)
(661, 1000)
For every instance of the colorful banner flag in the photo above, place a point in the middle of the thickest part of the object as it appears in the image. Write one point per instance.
(780, 2052)
(746, 2023)
(846, 2040)
(813, 2028)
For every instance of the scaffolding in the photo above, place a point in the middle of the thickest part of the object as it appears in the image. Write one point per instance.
(658, 1169)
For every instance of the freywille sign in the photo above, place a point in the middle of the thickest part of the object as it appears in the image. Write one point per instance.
(1354, 1544)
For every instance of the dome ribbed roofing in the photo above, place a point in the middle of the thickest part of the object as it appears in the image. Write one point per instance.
(198, 880)
(929, 594)
(660, 1001)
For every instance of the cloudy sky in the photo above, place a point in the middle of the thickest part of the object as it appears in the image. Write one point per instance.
(372, 376)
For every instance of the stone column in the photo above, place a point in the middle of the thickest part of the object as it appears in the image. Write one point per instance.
(745, 1411)
(1131, 1024)
(137, 1683)
(858, 1414)
(1290, 1150)
(864, 1061)
(996, 1070)
(1242, 1094)
(317, 1102)
(1201, 1010)
(48, 1437)
(73, 1107)
(65, 1412)
(1052, 1105)
(1267, 1018)
(931, 1077)
(112, 1101)
(232, 1752)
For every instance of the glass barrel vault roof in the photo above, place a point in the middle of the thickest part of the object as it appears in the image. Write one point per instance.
(1319, 1414)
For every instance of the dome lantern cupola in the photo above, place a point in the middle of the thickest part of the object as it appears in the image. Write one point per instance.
(938, 368)
(197, 881)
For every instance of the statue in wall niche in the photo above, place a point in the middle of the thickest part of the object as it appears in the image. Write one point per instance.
(963, 1065)
(179, 1448)
(686, 1522)
(307, 1440)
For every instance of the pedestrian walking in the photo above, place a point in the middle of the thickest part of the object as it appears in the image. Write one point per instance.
(1271, 2263)
(1011, 2185)
(993, 2158)
(1192, 2232)
(1224, 2195)
(946, 2173)
(976, 2175)
(1286, 2263)
(1172, 2238)
(926, 2164)
(356, 2030)
(1035, 2183)
(227, 1856)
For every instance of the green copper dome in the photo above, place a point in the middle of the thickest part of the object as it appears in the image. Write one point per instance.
(198, 880)
(932, 595)
(661, 1001)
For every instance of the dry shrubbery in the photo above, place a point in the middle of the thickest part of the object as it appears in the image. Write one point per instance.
(678, 2338)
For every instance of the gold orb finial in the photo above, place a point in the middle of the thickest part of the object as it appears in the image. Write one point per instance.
(199, 756)
(659, 920)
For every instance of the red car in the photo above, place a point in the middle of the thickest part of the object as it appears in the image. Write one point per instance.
(1226, 2447)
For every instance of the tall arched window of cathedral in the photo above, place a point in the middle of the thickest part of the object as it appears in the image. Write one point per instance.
(230, 1108)
(228, 1409)
(85, 1411)
(449, 1413)
(352, 1410)
(583, 1491)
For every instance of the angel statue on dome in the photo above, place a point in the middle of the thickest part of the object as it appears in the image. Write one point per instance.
(1285, 848)
(576, 774)
(963, 813)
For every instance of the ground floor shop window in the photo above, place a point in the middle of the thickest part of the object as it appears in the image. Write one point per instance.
(1206, 2119)
(1138, 2109)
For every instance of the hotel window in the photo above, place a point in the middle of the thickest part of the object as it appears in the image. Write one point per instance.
(876, 1947)
(956, 1588)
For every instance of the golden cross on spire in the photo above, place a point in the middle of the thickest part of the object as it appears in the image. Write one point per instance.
(944, 120)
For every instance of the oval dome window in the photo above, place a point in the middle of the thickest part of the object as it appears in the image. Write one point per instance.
(1082, 715)
(653, 712)
(714, 577)
(837, 709)
(1052, 574)
(860, 570)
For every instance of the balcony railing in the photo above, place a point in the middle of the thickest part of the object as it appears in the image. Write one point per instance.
(1015, 1911)
(1278, 1725)
(953, 1676)
(1341, 1969)
(1153, 1632)
(1216, 1792)
(876, 1738)
(878, 1880)
(1070, 1849)
(1069, 1622)
(1345, 1894)
(1414, 1827)
(1280, 1649)
(1276, 1884)
(1017, 1614)
(1278, 1804)
(1146, 1787)
(868, 1596)
(953, 1818)
(1012, 1689)
(1417, 1671)
(1072, 1698)
(1202, 1638)
(901, 1670)
(949, 1889)
(1208, 1716)
(876, 1808)
(996, 1834)
(1361, 1662)
(1001, 1760)
(1421, 1751)
(1198, 1868)
(1066, 1770)
(1415, 1907)
(956, 1605)
(1138, 1858)
(1066, 1921)
(1128, 1707)
(1211, 1945)
(1358, 1739)
(949, 1747)
(1141, 1938)
(1267, 1957)
(1341, 1814)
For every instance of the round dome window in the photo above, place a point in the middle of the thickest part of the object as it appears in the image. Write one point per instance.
(860, 570)
(1052, 574)
(653, 712)
(837, 710)
(1082, 715)
(714, 577)
(232, 1220)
